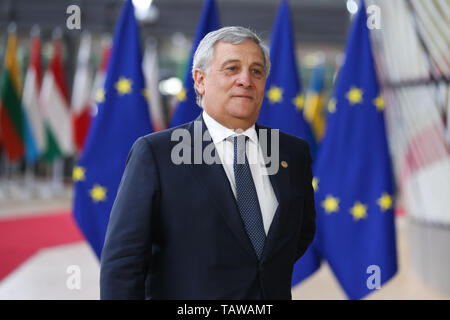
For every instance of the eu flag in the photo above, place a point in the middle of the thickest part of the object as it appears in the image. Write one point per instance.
(122, 118)
(354, 182)
(187, 109)
(283, 102)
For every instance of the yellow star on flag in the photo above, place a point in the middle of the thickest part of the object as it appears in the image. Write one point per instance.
(275, 94)
(78, 173)
(315, 184)
(98, 193)
(379, 103)
(385, 202)
(146, 93)
(181, 95)
(359, 211)
(123, 86)
(299, 101)
(354, 95)
(100, 95)
(330, 204)
(332, 105)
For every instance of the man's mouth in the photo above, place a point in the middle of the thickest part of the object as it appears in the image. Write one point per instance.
(243, 96)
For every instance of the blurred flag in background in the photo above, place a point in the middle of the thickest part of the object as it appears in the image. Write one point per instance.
(353, 178)
(81, 95)
(54, 101)
(315, 102)
(11, 114)
(98, 90)
(151, 74)
(34, 126)
(122, 117)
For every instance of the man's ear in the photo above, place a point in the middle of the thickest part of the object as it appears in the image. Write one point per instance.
(199, 81)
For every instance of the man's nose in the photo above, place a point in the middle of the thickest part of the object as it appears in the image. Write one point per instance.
(244, 79)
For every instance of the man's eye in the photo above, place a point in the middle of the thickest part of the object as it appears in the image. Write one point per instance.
(231, 68)
(257, 72)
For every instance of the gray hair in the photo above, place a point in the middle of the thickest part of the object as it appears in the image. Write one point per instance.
(234, 35)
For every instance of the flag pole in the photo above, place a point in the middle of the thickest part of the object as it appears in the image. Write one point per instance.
(28, 180)
(3, 178)
(57, 177)
(44, 189)
(13, 183)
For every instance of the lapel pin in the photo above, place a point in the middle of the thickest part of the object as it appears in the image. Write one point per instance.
(284, 164)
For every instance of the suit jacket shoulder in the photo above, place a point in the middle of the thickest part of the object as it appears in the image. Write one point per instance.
(291, 144)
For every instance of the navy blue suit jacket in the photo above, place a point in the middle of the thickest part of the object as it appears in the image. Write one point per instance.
(175, 231)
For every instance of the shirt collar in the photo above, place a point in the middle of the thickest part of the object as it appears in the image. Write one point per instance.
(219, 132)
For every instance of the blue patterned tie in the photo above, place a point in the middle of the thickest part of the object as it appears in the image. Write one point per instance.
(247, 198)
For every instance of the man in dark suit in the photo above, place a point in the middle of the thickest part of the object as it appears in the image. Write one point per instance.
(202, 211)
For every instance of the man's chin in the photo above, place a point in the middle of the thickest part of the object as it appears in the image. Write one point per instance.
(244, 116)
(243, 110)
(245, 121)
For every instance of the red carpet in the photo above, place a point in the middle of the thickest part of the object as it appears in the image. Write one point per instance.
(20, 238)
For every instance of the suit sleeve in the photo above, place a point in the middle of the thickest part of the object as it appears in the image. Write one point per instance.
(127, 250)
(308, 228)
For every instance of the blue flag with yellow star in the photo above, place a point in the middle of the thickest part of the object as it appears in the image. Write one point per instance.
(122, 117)
(354, 182)
(187, 108)
(283, 106)
(283, 102)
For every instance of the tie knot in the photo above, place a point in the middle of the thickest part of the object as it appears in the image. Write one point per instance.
(239, 140)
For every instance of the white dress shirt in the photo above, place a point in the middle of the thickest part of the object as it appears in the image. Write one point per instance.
(225, 149)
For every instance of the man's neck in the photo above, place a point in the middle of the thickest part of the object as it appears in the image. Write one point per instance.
(234, 124)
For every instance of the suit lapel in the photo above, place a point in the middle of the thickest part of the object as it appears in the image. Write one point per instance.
(217, 186)
(280, 181)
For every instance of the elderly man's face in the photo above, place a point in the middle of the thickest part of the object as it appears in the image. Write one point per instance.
(233, 88)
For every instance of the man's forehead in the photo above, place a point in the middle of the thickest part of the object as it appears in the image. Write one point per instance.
(226, 51)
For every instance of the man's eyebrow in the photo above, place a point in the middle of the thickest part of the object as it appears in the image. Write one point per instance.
(259, 64)
(229, 61)
(237, 60)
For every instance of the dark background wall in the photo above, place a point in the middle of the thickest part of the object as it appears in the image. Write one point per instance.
(315, 21)
(319, 25)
